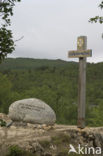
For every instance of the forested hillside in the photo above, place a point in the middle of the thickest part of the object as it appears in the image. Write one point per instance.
(56, 83)
(29, 63)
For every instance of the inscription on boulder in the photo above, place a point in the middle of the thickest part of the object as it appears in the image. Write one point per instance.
(32, 111)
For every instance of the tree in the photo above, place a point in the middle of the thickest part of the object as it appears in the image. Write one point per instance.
(6, 38)
(5, 92)
(97, 18)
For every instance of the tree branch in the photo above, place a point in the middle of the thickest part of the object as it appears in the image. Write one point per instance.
(19, 39)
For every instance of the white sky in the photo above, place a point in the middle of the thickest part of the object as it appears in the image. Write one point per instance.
(51, 27)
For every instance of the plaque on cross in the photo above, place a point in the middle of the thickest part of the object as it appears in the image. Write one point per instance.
(81, 53)
(81, 49)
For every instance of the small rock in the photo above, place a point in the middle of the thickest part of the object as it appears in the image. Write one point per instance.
(9, 124)
(53, 147)
(39, 126)
(35, 126)
(37, 147)
(41, 131)
(44, 125)
(12, 127)
(30, 125)
(91, 137)
(47, 128)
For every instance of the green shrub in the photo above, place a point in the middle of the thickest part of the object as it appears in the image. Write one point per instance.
(59, 139)
(15, 151)
(2, 123)
(45, 143)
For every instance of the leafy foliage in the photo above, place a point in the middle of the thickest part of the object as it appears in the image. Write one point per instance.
(97, 18)
(2, 123)
(101, 5)
(6, 10)
(6, 42)
(6, 38)
(5, 92)
(17, 151)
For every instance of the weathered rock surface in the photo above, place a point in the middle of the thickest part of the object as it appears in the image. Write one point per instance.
(32, 111)
(53, 142)
(48, 140)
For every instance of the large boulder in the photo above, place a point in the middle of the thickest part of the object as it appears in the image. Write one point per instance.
(32, 111)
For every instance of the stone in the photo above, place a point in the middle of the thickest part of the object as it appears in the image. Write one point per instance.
(9, 124)
(39, 126)
(32, 111)
(37, 147)
(5, 118)
(47, 128)
(30, 125)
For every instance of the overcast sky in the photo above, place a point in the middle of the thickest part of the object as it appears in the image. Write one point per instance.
(51, 27)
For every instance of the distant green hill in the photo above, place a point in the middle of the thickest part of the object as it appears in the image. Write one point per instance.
(29, 63)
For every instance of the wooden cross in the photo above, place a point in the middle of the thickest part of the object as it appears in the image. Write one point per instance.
(81, 53)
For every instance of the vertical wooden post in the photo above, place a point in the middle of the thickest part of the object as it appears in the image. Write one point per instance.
(82, 53)
(82, 45)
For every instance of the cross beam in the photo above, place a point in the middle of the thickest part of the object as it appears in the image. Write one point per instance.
(81, 53)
